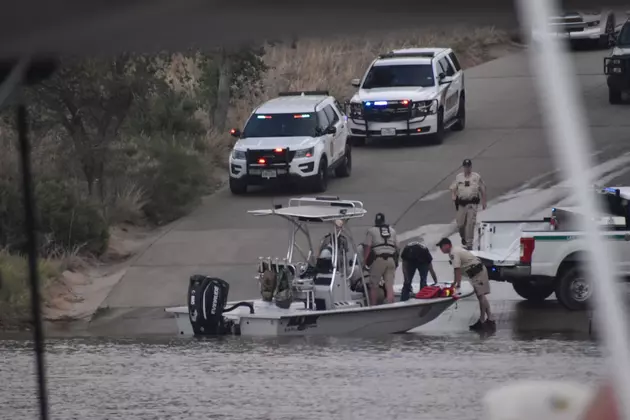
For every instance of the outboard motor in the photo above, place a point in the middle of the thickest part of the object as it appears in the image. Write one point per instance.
(207, 297)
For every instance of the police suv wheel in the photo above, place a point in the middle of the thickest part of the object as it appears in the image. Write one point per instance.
(320, 181)
(461, 115)
(573, 290)
(438, 137)
(356, 141)
(237, 187)
(532, 290)
(345, 168)
(614, 96)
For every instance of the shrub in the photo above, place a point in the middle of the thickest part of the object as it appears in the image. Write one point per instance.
(177, 181)
(15, 297)
(11, 214)
(66, 220)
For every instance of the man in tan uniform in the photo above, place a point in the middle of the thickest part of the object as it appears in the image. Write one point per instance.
(468, 190)
(381, 255)
(465, 261)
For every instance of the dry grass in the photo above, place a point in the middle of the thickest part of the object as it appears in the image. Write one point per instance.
(126, 205)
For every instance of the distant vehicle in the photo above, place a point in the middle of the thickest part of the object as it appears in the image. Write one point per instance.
(543, 257)
(408, 93)
(584, 25)
(617, 66)
(299, 136)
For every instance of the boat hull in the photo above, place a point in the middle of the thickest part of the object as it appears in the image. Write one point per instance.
(269, 320)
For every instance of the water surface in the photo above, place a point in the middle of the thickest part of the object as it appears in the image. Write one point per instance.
(408, 376)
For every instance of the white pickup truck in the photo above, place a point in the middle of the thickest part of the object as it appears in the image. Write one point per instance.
(541, 257)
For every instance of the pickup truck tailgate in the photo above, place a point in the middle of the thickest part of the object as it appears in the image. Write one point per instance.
(501, 236)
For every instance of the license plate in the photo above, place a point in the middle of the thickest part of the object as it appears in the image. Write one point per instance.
(269, 173)
(388, 131)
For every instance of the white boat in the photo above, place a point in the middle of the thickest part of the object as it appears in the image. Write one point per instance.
(328, 296)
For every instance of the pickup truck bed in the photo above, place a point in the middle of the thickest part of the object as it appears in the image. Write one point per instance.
(542, 257)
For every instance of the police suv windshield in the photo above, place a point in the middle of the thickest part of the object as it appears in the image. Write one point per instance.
(623, 40)
(417, 75)
(281, 125)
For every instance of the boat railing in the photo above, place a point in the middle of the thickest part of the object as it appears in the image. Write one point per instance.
(331, 201)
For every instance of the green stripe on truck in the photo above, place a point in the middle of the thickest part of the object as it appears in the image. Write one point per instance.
(571, 237)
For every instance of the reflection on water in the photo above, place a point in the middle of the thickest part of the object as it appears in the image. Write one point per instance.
(399, 377)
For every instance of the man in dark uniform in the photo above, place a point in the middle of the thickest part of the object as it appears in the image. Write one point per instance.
(415, 256)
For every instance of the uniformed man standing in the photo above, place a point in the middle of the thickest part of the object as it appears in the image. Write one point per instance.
(468, 190)
(465, 261)
(381, 256)
(415, 256)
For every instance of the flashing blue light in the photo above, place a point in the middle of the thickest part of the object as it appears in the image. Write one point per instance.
(379, 103)
(553, 209)
(368, 103)
(611, 190)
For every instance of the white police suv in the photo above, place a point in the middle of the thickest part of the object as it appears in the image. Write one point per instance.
(297, 136)
(407, 93)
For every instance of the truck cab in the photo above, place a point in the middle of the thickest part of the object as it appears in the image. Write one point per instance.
(617, 66)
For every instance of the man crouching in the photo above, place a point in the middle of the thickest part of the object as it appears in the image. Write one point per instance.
(464, 260)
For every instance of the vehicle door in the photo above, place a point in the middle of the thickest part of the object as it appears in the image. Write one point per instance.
(451, 90)
(336, 121)
(328, 139)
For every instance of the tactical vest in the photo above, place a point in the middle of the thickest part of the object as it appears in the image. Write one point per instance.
(386, 234)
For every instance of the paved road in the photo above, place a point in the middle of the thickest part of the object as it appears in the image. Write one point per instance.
(504, 138)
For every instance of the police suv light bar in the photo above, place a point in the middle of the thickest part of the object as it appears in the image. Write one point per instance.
(306, 93)
(391, 54)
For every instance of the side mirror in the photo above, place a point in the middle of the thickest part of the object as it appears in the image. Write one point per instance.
(235, 132)
(331, 130)
(355, 82)
(444, 79)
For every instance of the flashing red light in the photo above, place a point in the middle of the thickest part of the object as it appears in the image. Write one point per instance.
(278, 150)
(309, 155)
(404, 102)
(419, 130)
(232, 131)
(262, 161)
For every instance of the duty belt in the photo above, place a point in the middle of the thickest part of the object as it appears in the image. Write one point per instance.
(464, 202)
(474, 270)
(384, 256)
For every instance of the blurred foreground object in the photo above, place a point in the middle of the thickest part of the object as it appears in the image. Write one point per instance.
(539, 400)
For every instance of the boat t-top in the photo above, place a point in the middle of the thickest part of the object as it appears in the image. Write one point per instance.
(308, 293)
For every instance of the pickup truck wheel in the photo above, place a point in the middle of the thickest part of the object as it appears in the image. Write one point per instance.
(533, 291)
(345, 168)
(614, 96)
(573, 290)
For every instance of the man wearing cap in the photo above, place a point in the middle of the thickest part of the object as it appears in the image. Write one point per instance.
(415, 256)
(468, 190)
(381, 256)
(465, 261)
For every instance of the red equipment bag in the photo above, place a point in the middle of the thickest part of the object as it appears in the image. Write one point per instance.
(429, 292)
(432, 292)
